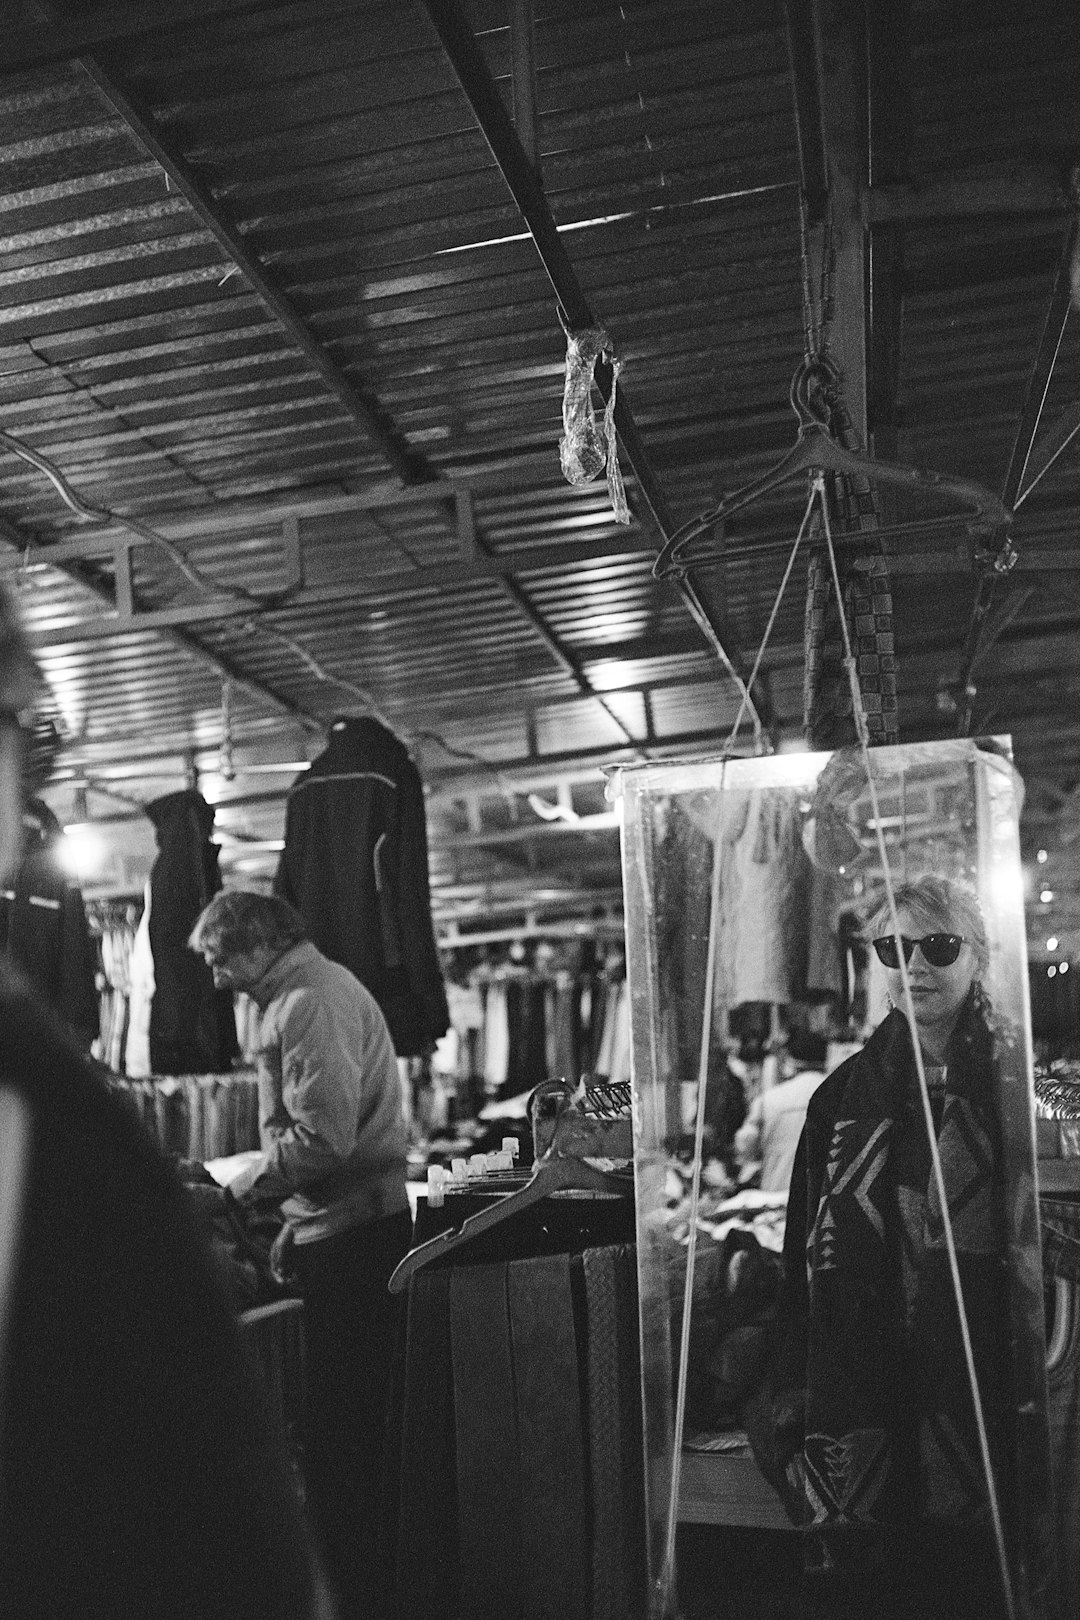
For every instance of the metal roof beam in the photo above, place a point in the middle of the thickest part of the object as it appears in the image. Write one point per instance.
(364, 408)
(13, 538)
(523, 59)
(843, 90)
(38, 45)
(1011, 189)
(890, 137)
(480, 564)
(804, 57)
(474, 76)
(408, 464)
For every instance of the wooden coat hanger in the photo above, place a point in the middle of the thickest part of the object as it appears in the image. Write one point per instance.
(816, 450)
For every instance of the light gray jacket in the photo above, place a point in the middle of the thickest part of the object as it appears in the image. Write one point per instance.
(330, 1107)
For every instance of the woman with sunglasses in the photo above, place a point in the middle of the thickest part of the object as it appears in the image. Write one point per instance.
(873, 1438)
(943, 942)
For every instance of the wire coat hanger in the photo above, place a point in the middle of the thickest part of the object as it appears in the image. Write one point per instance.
(816, 450)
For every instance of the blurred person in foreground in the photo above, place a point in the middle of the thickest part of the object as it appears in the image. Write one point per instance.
(333, 1157)
(875, 1441)
(139, 1475)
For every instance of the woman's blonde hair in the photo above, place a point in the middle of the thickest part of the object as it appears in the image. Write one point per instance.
(940, 904)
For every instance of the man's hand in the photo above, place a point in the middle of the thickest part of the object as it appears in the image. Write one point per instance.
(281, 1257)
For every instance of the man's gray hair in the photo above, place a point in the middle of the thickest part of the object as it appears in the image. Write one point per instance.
(237, 921)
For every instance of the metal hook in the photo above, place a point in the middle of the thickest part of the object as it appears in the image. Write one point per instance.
(814, 388)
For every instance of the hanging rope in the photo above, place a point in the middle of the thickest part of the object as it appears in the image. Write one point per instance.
(666, 1583)
(772, 620)
(924, 1092)
(818, 503)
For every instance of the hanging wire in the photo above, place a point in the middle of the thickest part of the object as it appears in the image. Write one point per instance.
(666, 1581)
(772, 620)
(667, 1572)
(1042, 472)
(924, 1093)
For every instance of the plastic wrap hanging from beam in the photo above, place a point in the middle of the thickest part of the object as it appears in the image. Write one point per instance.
(584, 449)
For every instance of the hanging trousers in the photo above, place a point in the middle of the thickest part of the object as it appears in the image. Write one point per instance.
(350, 1329)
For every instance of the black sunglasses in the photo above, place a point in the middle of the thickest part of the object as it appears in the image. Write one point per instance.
(940, 950)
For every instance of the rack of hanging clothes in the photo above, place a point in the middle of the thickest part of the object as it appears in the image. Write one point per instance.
(113, 923)
(515, 1484)
(196, 1116)
(527, 1009)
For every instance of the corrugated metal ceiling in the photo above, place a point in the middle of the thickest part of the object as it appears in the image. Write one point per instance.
(262, 283)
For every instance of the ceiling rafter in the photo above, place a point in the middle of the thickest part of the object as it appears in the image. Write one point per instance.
(15, 540)
(409, 465)
(474, 76)
(44, 44)
(1008, 189)
(364, 409)
(889, 143)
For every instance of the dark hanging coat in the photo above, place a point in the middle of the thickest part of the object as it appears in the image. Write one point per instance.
(192, 1027)
(43, 927)
(355, 865)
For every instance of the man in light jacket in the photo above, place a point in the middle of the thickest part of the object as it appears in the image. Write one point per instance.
(333, 1156)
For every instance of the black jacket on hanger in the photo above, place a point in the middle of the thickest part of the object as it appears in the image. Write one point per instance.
(355, 865)
(192, 1027)
(43, 927)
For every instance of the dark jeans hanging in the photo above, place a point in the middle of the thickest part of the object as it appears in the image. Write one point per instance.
(350, 1330)
(519, 1427)
(526, 1011)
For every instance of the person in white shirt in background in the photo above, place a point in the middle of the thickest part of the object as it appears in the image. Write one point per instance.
(770, 1133)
